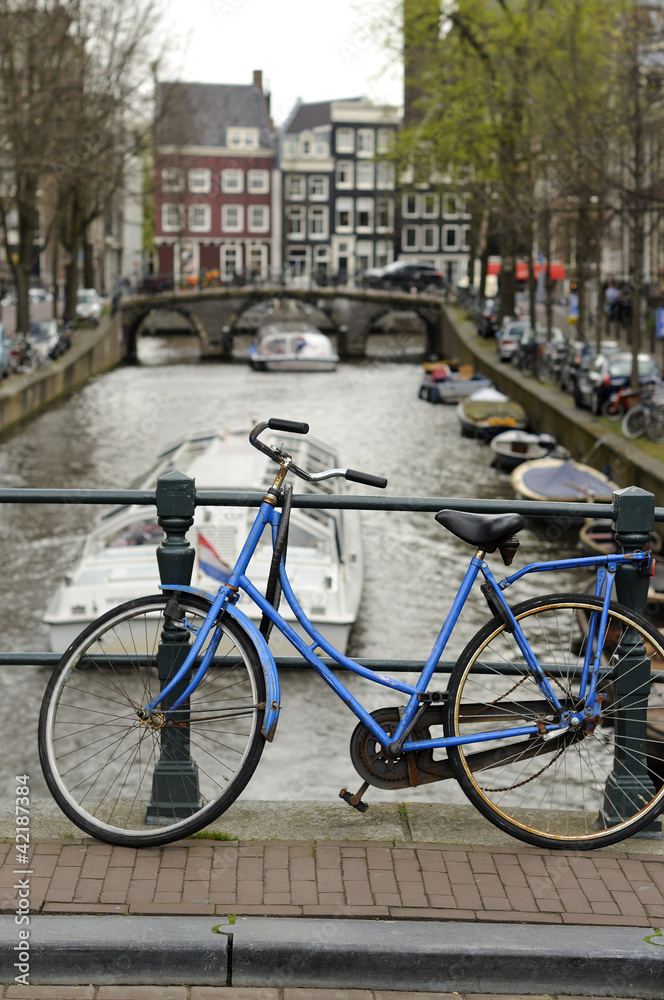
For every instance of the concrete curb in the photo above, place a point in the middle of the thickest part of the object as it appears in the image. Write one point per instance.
(341, 954)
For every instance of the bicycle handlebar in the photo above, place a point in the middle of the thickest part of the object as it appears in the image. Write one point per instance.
(277, 455)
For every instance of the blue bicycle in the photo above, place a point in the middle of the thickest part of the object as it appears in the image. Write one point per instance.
(157, 714)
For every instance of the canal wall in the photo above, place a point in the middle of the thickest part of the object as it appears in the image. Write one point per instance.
(587, 437)
(92, 351)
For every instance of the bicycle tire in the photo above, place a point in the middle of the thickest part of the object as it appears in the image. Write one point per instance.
(613, 410)
(655, 426)
(635, 422)
(551, 793)
(99, 759)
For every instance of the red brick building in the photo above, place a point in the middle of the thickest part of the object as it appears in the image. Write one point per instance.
(217, 190)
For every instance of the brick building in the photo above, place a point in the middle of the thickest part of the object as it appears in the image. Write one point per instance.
(217, 192)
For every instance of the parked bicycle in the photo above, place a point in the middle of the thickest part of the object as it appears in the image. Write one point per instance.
(647, 417)
(616, 406)
(157, 714)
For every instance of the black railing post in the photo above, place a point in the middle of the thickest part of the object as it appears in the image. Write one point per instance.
(629, 783)
(175, 789)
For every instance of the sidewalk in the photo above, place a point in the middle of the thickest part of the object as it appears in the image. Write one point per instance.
(433, 899)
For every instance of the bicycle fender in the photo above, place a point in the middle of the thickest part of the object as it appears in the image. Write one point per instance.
(270, 673)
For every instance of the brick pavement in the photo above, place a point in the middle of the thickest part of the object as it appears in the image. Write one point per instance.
(92, 992)
(341, 879)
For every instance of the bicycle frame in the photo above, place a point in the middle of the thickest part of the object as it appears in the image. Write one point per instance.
(605, 566)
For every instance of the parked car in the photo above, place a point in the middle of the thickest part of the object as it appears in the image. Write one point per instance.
(39, 295)
(88, 304)
(5, 352)
(49, 338)
(580, 356)
(511, 334)
(486, 319)
(404, 275)
(608, 373)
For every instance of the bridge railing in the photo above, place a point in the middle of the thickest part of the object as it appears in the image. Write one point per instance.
(176, 498)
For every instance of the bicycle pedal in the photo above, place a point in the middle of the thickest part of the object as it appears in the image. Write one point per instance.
(356, 800)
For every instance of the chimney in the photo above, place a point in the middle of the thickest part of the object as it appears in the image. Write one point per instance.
(258, 79)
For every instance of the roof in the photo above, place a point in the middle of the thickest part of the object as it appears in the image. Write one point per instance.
(198, 114)
(309, 116)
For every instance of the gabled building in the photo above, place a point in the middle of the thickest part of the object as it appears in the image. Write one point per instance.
(339, 187)
(217, 193)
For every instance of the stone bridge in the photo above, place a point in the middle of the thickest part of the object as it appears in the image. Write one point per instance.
(215, 314)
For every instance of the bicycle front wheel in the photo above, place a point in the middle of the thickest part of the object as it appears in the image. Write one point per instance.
(146, 783)
(558, 792)
(655, 427)
(635, 422)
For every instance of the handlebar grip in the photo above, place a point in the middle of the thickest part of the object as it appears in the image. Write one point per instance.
(276, 424)
(366, 479)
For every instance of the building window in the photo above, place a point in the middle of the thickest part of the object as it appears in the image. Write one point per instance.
(318, 222)
(172, 179)
(171, 218)
(450, 204)
(344, 215)
(305, 147)
(232, 218)
(384, 140)
(243, 138)
(259, 219)
(322, 150)
(385, 174)
(295, 222)
(365, 142)
(345, 141)
(295, 187)
(429, 237)
(384, 213)
(411, 238)
(365, 176)
(290, 149)
(258, 181)
(363, 254)
(451, 237)
(230, 260)
(318, 188)
(430, 206)
(200, 180)
(345, 174)
(232, 181)
(364, 210)
(383, 253)
(410, 205)
(257, 259)
(200, 218)
(465, 237)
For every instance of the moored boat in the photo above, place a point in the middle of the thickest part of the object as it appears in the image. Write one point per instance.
(443, 384)
(119, 563)
(488, 412)
(511, 448)
(292, 345)
(597, 536)
(559, 479)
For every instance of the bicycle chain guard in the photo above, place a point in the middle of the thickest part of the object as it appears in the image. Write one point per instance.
(410, 769)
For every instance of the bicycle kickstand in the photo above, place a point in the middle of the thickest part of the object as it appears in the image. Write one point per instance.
(356, 800)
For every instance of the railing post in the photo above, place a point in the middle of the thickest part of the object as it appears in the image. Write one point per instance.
(629, 783)
(175, 788)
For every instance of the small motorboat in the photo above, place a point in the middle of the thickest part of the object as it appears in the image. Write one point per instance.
(445, 384)
(561, 479)
(488, 412)
(597, 536)
(294, 346)
(511, 448)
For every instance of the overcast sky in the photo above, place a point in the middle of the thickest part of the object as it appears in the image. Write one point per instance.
(313, 49)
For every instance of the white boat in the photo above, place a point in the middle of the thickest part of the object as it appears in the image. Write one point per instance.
(324, 556)
(512, 448)
(292, 345)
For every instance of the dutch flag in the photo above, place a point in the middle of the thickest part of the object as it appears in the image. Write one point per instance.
(211, 562)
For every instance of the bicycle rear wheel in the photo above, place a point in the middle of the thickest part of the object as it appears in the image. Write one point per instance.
(635, 422)
(613, 410)
(655, 428)
(138, 783)
(551, 792)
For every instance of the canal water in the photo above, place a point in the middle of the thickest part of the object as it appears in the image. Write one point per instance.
(107, 433)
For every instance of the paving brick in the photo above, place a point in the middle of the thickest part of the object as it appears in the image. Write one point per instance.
(142, 993)
(312, 994)
(50, 992)
(394, 995)
(233, 993)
